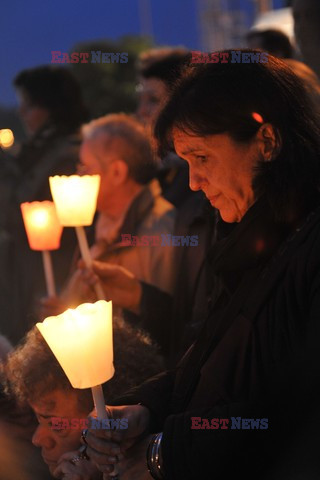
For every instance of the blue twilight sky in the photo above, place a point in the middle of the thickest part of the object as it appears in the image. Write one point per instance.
(31, 29)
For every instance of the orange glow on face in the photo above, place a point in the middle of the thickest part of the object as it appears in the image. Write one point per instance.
(257, 117)
(42, 225)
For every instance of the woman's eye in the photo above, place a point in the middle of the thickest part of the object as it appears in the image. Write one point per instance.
(201, 158)
(59, 431)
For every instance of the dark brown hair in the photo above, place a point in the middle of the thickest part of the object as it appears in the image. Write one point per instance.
(216, 98)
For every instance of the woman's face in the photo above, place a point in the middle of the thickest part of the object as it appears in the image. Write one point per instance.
(55, 442)
(152, 94)
(32, 116)
(222, 168)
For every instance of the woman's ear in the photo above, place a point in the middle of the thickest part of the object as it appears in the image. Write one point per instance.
(269, 141)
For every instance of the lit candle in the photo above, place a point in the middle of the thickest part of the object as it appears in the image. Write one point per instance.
(75, 198)
(44, 234)
(81, 340)
(6, 138)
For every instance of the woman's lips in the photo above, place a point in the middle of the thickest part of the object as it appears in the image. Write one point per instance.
(213, 199)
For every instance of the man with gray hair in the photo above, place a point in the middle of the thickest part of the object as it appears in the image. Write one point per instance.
(129, 204)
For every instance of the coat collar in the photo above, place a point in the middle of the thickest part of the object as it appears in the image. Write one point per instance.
(247, 244)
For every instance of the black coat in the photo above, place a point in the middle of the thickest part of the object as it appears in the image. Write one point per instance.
(174, 321)
(256, 357)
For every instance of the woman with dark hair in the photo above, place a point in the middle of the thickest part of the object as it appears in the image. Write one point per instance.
(52, 111)
(158, 70)
(54, 94)
(244, 399)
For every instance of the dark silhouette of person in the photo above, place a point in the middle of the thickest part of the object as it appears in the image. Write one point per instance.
(52, 111)
(272, 41)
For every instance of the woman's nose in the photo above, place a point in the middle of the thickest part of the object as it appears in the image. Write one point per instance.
(196, 181)
(42, 437)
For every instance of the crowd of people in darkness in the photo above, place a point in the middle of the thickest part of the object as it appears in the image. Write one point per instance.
(216, 346)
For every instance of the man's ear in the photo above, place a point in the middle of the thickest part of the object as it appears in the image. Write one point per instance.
(120, 172)
(269, 141)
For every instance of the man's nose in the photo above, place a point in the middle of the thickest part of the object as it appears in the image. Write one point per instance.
(43, 438)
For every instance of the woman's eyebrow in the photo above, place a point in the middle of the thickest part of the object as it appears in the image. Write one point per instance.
(191, 150)
(45, 416)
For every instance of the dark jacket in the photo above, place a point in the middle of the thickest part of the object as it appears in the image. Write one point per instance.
(256, 357)
(174, 320)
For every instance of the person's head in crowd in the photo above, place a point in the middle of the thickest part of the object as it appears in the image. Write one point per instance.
(247, 130)
(117, 147)
(309, 78)
(5, 347)
(306, 15)
(158, 70)
(272, 41)
(50, 95)
(33, 376)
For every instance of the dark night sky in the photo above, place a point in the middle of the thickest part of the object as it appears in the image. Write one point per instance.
(31, 29)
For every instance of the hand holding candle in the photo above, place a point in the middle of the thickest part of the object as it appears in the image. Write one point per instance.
(81, 340)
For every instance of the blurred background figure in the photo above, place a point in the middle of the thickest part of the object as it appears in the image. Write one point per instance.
(278, 44)
(272, 41)
(158, 70)
(5, 347)
(306, 14)
(129, 202)
(309, 78)
(52, 112)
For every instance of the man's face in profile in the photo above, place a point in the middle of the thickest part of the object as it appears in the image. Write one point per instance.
(306, 15)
